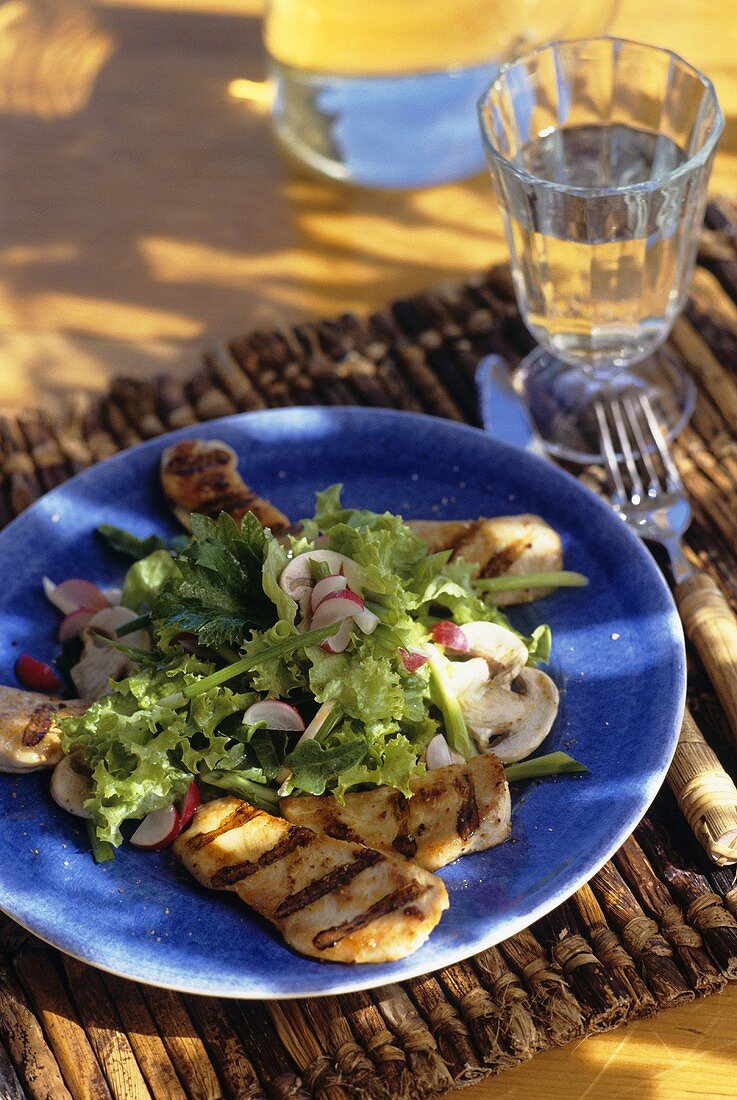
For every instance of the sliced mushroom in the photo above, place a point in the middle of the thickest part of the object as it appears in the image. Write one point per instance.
(467, 676)
(100, 663)
(512, 720)
(504, 653)
(71, 786)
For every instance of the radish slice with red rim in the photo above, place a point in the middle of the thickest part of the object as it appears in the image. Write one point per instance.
(447, 634)
(413, 658)
(80, 593)
(336, 607)
(158, 829)
(188, 804)
(326, 587)
(36, 675)
(276, 714)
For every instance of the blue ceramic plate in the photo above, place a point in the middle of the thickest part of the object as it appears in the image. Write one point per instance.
(618, 657)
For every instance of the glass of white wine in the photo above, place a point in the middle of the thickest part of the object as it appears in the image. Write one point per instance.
(600, 151)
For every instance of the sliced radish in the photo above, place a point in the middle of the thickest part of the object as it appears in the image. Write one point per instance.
(36, 675)
(326, 587)
(439, 754)
(158, 829)
(413, 658)
(339, 641)
(451, 636)
(366, 621)
(73, 624)
(74, 593)
(336, 607)
(51, 593)
(296, 576)
(188, 804)
(276, 714)
(114, 596)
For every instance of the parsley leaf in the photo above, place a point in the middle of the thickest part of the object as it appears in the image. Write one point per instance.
(313, 766)
(217, 592)
(133, 546)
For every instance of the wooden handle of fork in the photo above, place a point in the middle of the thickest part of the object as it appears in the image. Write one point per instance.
(711, 625)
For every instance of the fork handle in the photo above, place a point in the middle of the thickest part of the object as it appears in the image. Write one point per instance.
(711, 625)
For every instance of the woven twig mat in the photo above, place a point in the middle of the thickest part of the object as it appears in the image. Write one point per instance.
(655, 928)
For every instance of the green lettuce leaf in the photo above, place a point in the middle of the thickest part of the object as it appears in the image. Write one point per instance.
(145, 580)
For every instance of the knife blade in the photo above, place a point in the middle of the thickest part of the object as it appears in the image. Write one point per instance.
(504, 414)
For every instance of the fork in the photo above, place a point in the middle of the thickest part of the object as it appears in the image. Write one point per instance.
(655, 506)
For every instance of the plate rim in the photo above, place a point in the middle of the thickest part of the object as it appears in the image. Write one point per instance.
(514, 925)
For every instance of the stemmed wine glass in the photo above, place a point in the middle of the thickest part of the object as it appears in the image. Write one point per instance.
(600, 151)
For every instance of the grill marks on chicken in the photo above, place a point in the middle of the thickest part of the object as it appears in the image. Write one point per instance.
(330, 899)
(455, 810)
(512, 545)
(29, 731)
(202, 476)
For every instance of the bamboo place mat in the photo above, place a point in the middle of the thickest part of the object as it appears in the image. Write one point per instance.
(655, 927)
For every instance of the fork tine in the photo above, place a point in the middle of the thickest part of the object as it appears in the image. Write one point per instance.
(610, 455)
(652, 422)
(643, 446)
(638, 490)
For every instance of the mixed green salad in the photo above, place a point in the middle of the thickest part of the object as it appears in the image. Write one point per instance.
(353, 695)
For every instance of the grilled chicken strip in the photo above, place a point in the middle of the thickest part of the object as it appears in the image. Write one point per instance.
(454, 810)
(512, 545)
(335, 901)
(29, 734)
(200, 475)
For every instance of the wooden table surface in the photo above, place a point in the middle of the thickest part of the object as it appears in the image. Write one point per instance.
(146, 213)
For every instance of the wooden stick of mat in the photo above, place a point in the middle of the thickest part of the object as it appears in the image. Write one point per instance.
(19, 472)
(642, 938)
(325, 1017)
(36, 968)
(687, 943)
(206, 397)
(426, 1066)
(315, 1068)
(102, 1027)
(184, 1046)
(451, 1034)
(172, 406)
(480, 1012)
(20, 1031)
(275, 1069)
(137, 398)
(604, 1004)
(116, 422)
(611, 954)
(711, 625)
(225, 1048)
(522, 1036)
(10, 1086)
(553, 1005)
(705, 793)
(370, 1030)
(98, 439)
(144, 1038)
(234, 381)
(704, 908)
(48, 458)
